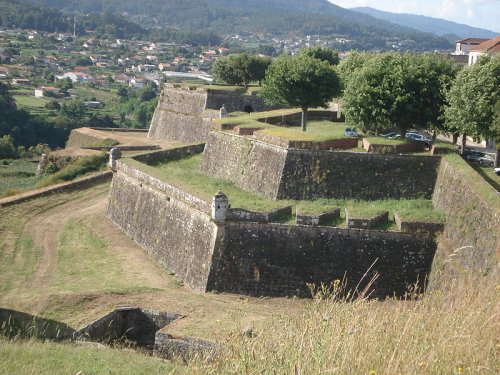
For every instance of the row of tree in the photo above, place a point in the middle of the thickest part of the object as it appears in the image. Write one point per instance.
(426, 91)
(380, 92)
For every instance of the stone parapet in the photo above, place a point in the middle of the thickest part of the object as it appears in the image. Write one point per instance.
(413, 226)
(240, 214)
(318, 219)
(366, 222)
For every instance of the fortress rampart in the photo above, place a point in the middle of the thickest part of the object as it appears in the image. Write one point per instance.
(472, 222)
(276, 172)
(184, 114)
(159, 218)
(259, 258)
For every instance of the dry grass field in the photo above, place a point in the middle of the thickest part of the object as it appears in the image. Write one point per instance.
(62, 259)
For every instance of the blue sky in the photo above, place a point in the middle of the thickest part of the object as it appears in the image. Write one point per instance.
(478, 13)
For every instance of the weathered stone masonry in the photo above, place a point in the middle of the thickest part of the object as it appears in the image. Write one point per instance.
(258, 259)
(186, 115)
(277, 259)
(471, 222)
(280, 173)
(156, 216)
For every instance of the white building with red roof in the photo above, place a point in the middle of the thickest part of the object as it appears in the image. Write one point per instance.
(489, 47)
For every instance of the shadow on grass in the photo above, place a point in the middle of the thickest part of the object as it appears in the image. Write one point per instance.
(488, 174)
(22, 325)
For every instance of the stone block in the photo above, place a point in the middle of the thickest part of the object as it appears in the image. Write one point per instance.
(366, 222)
(417, 226)
(319, 219)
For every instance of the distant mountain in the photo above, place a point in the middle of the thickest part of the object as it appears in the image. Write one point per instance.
(275, 17)
(436, 26)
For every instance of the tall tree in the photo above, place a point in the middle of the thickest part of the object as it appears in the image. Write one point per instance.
(300, 81)
(350, 64)
(473, 101)
(257, 67)
(398, 90)
(322, 53)
(233, 69)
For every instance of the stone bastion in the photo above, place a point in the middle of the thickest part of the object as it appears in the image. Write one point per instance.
(239, 253)
(185, 114)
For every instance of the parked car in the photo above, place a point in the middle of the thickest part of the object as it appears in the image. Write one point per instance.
(418, 137)
(487, 159)
(467, 150)
(474, 156)
(351, 132)
(391, 135)
(497, 171)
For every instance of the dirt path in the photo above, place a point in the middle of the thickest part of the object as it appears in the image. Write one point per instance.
(45, 229)
(45, 219)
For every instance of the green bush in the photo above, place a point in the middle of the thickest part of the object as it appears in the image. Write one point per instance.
(7, 148)
(75, 169)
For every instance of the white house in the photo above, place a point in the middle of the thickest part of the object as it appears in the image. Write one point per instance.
(463, 46)
(76, 77)
(489, 47)
(137, 82)
(44, 90)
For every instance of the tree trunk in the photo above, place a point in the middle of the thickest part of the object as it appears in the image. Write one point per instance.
(303, 121)
(455, 138)
(497, 157)
(434, 136)
(464, 142)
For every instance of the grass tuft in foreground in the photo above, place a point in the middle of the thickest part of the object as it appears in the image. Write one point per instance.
(450, 331)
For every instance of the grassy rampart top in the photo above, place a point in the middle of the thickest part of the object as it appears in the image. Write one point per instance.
(317, 131)
(215, 87)
(186, 175)
(487, 192)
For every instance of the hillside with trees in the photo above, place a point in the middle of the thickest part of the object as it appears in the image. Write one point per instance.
(437, 26)
(279, 17)
(24, 15)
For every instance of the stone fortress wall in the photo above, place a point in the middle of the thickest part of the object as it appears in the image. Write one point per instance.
(278, 259)
(472, 222)
(280, 173)
(259, 258)
(184, 114)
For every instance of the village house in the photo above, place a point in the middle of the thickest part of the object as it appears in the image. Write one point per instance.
(164, 66)
(137, 82)
(76, 77)
(121, 78)
(48, 61)
(489, 47)
(463, 46)
(21, 82)
(81, 69)
(46, 91)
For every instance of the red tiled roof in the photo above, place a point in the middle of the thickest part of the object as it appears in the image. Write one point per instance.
(492, 46)
(472, 41)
